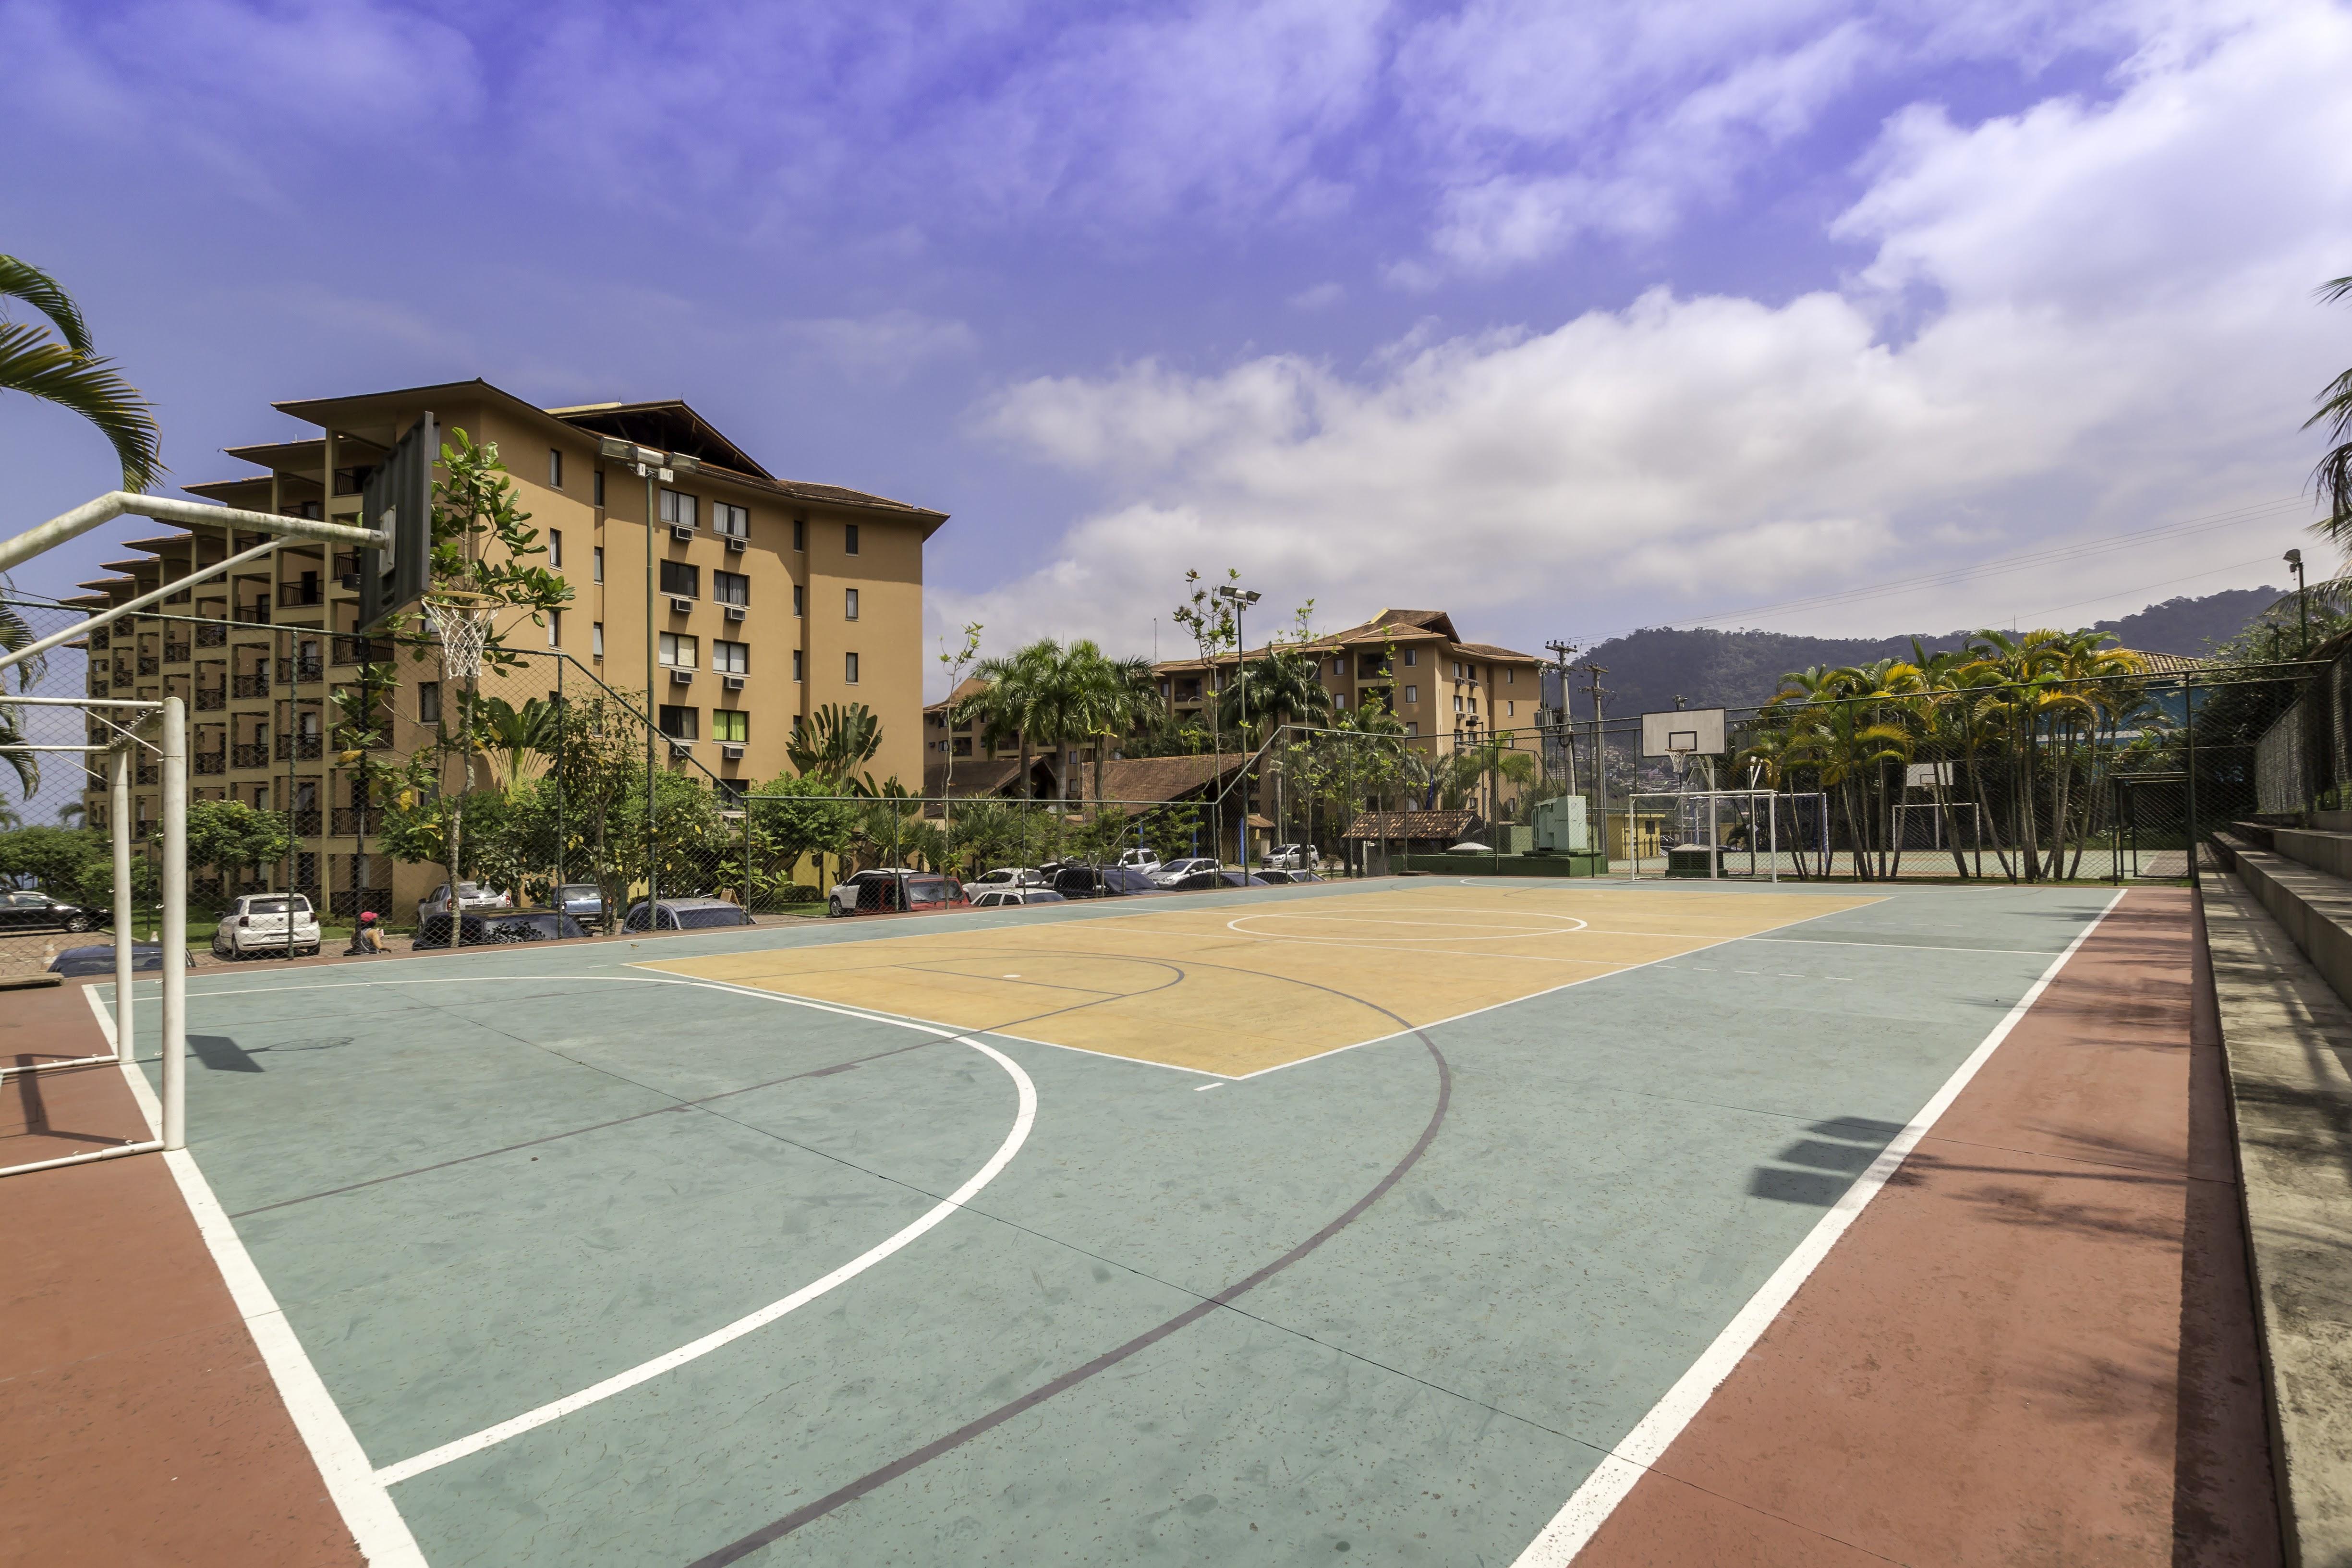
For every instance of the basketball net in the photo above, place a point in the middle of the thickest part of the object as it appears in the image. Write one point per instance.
(462, 622)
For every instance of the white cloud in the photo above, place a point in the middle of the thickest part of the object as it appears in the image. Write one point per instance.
(2121, 334)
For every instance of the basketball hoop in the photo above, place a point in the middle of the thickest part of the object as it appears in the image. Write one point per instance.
(462, 621)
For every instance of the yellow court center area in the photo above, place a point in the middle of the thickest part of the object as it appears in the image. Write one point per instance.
(1237, 988)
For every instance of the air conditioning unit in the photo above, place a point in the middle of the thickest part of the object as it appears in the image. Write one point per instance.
(681, 531)
(737, 542)
(679, 748)
(351, 581)
(681, 677)
(734, 683)
(733, 753)
(681, 607)
(735, 612)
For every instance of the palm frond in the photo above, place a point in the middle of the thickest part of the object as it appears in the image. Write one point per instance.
(30, 363)
(20, 279)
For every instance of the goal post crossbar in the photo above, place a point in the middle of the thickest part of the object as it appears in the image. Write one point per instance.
(1778, 808)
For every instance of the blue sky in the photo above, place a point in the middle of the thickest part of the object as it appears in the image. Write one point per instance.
(1567, 318)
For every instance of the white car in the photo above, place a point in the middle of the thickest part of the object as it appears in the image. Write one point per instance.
(472, 898)
(1292, 857)
(1144, 860)
(1175, 870)
(1010, 877)
(256, 923)
(1015, 898)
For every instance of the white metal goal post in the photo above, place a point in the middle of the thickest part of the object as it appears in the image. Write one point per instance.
(1722, 826)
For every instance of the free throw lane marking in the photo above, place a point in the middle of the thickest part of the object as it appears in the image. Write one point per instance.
(1582, 1517)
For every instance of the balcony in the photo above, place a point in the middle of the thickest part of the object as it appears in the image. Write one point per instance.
(122, 679)
(254, 685)
(209, 761)
(211, 697)
(249, 755)
(212, 636)
(301, 670)
(175, 653)
(306, 822)
(147, 772)
(150, 665)
(97, 642)
(307, 752)
(360, 650)
(295, 595)
(349, 821)
(255, 613)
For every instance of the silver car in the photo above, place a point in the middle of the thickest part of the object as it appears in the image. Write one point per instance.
(472, 899)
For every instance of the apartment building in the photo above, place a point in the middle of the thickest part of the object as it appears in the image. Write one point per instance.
(1448, 692)
(771, 598)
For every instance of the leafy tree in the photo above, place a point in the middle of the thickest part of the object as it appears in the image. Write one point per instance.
(787, 821)
(51, 859)
(2334, 475)
(834, 745)
(65, 370)
(227, 834)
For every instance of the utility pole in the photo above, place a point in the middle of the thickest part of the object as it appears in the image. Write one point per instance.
(2293, 558)
(1601, 767)
(1561, 652)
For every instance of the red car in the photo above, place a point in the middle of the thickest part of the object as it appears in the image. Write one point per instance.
(892, 889)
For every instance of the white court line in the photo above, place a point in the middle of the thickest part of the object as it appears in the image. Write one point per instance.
(1584, 1512)
(367, 1507)
(1518, 934)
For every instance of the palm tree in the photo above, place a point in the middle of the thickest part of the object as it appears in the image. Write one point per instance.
(1107, 698)
(835, 744)
(71, 375)
(2334, 475)
(518, 739)
(1017, 702)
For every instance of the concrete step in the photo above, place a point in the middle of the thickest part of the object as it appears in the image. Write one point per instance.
(2322, 849)
(2313, 904)
(2287, 1035)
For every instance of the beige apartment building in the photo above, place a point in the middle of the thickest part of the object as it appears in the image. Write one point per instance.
(1448, 692)
(772, 598)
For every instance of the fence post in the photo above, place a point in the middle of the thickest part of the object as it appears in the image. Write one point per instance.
(562, 724)
(2189, 707)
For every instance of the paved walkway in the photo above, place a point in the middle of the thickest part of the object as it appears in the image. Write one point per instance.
(2037, 1346)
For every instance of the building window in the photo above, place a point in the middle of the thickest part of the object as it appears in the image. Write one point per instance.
(730, 657)
(1510, 678)
(1510, 710)
(1413, 694)
(800, 533)
(849, 539)
(599, 562)
(596, 640)
(729, 726)
(730, 588)
(1412, 657)
(677, 510)
(428, 702)
(799, 600)
(681, 579)
(680, 651)
(1411, 726)
(796, 664)
(849, 604)
(555, 468)
(598, 486)
(681, 724)
(1457, 703)
(849, 668)
(555, 628)
(731, 521)
(555, 549)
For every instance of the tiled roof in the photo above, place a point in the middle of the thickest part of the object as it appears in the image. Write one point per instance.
(1447, 825)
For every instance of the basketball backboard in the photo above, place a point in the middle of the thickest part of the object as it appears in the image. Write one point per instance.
(1686, 732)
(398, 501)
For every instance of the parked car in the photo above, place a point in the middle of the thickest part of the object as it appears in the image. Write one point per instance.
(1010, 877)
(472, 898)
(889, 889)
(1144, 860)
(1291, 858)
(1244, 879)
(1170, 874)
(76, 962)
(1014, 897)
(686, 914)
(256, 923)
(497, 927)
(38, 911)
(583, 902)
(1197, 881)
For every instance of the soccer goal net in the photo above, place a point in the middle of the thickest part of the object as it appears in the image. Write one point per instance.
(1763, 834)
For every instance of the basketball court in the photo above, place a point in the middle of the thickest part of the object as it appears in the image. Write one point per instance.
(1397, 1221)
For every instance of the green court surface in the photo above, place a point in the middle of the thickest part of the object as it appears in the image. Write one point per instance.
(605, 1264)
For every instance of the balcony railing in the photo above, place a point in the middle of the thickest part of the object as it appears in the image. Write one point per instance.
(98, 641)
(306, 822)
(175, 653)
(249, 755)
(291, 595)
(307, 752)
(149, 772)
(362, 650)
(209, 761)
(212, 636)
(257, 613)
(150, 665)
(254, 685)
(301, 670)
(212, 698)
(122, 679)
(350, 821)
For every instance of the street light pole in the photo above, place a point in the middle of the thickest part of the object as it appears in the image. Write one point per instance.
(655, 468)
(1561, 652)
(1241, 599)
(2302, 600)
